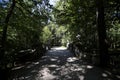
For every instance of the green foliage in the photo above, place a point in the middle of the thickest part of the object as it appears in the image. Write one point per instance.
(62, 35)
(24, 27)
(30, 24)
(80, 18)
(54, 34)
(46, 34)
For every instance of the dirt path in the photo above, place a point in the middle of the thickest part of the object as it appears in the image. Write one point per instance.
(60, 64)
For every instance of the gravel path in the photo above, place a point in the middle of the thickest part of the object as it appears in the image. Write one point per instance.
(60, 64)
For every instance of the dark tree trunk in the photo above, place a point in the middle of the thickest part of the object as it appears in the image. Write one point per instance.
(104, 57)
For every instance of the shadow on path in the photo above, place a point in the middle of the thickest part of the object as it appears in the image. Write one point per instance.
(60, 64)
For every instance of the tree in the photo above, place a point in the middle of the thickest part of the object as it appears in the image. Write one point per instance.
(22, 28)
(103, 46)
(81, 18)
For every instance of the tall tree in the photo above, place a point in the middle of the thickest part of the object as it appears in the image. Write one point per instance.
(104, 57)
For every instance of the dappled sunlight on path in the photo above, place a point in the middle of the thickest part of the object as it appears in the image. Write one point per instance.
(60, 64)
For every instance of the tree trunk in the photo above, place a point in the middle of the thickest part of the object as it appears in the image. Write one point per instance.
(104, 57)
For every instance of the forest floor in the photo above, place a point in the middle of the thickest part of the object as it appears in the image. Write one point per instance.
(60, 64)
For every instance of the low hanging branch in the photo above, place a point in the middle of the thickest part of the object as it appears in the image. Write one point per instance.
(4, 34)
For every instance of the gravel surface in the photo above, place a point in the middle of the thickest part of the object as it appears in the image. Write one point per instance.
(59, 64)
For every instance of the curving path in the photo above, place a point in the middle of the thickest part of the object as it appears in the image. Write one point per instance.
(59, 64)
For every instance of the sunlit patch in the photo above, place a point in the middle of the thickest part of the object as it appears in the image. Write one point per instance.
(65, 71)
(72, 59)
(27, 77)
(52, 66)
(36, 63)
(53, 59)
(89, 67)
(33, 71)
(58, 69)
(67, 64)
(81, 77)
(17, 67)
(59, 48)
(104, 75)
(33, 50)
(76, 69)
(45, 75)
(118, 76)
(108, 72)
(68, 77)
(44, 71)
